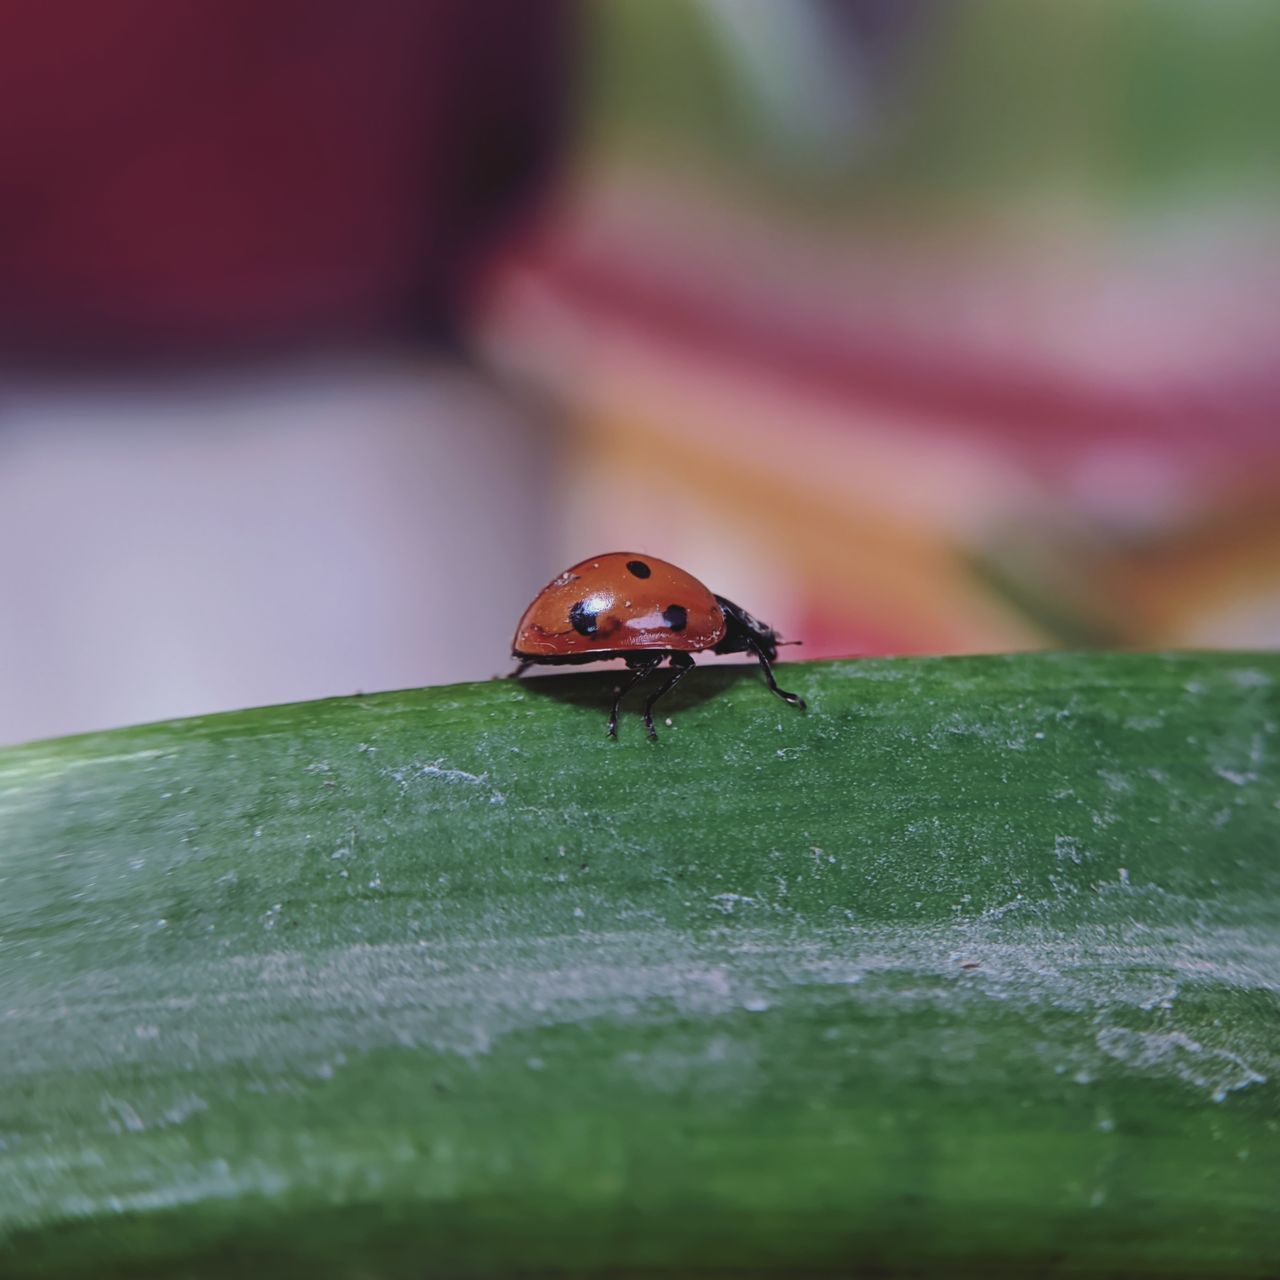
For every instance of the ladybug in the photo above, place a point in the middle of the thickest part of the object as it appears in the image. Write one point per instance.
(645, 611)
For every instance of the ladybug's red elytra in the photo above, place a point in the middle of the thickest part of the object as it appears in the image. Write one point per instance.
(646, 611)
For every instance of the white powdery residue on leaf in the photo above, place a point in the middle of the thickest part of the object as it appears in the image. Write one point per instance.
(212, 1180)
(121, 1115)
(438, 771)
(183, 1109)
(1067, 849)
(1115, 781)
(1177, 1054)
(1142, 723)
(1237, 777)
(1249, 678)
(728, 902)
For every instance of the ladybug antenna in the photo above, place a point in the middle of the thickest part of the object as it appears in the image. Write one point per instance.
(780, 643)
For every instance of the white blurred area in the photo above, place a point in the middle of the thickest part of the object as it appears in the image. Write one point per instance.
(185, 548)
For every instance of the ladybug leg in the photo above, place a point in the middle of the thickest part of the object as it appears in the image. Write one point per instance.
(521, 667)
(640, 667)
(794, 698)
(681, 665)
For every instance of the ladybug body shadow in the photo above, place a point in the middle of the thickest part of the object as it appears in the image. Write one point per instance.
(646, 612)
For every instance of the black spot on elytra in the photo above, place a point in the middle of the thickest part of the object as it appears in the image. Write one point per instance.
(583, 619)
(639, 568)
(676, 616)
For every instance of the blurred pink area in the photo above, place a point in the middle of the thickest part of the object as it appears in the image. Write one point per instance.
(923, 410)
(877, 420)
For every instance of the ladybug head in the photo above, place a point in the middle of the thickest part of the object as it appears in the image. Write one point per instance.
(743, 633)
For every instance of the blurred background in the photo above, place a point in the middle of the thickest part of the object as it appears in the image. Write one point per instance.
(329, 332)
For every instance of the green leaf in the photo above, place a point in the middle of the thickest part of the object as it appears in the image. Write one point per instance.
(972, 969)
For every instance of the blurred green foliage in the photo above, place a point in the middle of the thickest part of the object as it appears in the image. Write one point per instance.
(1104, 101)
